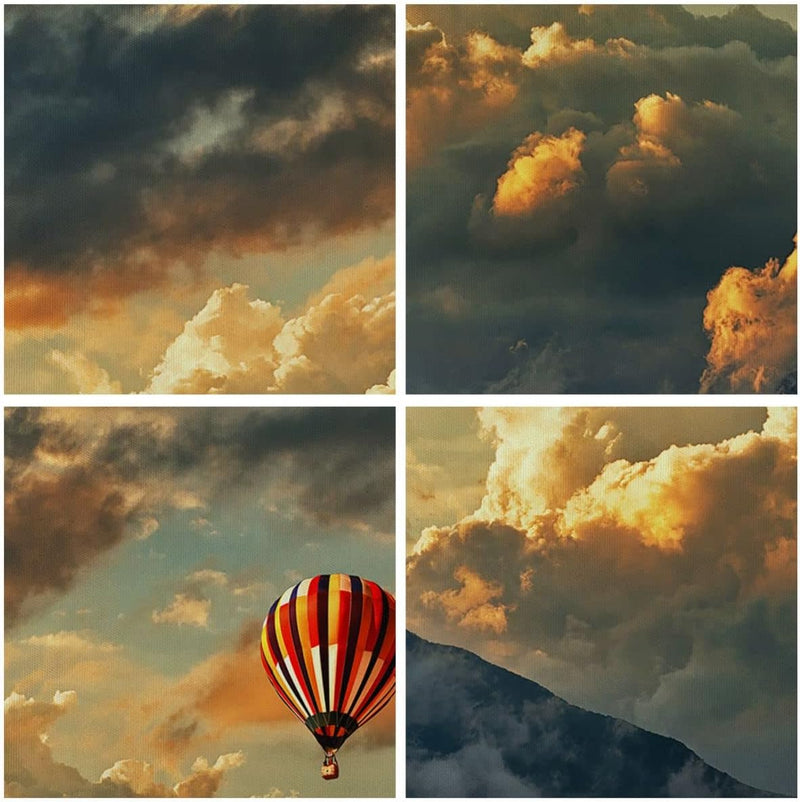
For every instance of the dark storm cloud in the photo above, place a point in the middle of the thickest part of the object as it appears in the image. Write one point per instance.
(98, 98)
(607, 261)
(342, 460)
(77, 483)
(656, 26)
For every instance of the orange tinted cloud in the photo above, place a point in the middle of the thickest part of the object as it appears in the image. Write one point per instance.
(230, 690)
(451, 89)
(542, 169)
(30, 769)
(550, 43)
(751, 317)
(49, 300)
(29, 299)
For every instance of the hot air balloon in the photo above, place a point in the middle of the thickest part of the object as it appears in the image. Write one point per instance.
(327, 646)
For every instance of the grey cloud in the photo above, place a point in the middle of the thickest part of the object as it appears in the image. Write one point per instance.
(656, 26)
(616, 277)
(119, 468)
(96, 97)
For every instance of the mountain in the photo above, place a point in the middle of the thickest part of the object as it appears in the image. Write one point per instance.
(475, 729)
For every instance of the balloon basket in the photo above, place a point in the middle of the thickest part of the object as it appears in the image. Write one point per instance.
(330, 767)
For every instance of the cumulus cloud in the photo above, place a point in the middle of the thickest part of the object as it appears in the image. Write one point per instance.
(229, 337)
(632, 586)
(553, 43)
(78, 482)
(342, 342)
(388, 388)
(470, 606)
(29, 766)
(751, 318)
(184, 609)
(449, 85)
(30, 769)
(541, 169)
(205, 779)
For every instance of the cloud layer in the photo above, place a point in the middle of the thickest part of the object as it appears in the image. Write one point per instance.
(660, 590)
(594, 173)
(251, 107)
(78, 482)
(31, 770)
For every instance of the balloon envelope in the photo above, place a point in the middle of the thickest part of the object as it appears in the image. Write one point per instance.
(327, 646)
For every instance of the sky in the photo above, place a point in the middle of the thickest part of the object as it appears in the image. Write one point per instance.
(143, 549)
(199, 199)
(640, 563)
(601, 199)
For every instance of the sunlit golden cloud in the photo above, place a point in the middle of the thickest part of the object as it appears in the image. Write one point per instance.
(751, 318)
(541, 169)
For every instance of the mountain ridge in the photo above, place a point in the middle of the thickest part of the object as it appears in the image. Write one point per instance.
(477, 729)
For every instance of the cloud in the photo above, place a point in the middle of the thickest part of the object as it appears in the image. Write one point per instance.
(470, 605)
(342, 342)
(78, 482)
(453, 86)
(31, 770)
(634, 587)
(205, 779)
(751, 318)
(541, 170)
(227, 132)
(70, 641)
(592, 174)
(89, 377)
(388, 388)
(29, 766)
(208, 576)
(553, 43)
(341, 345)
(184, 609)
(54, 525)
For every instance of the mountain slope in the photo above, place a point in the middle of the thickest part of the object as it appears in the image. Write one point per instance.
(475, 729)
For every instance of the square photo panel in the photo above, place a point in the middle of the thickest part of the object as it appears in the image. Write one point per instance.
(602, 602)
(199, 199)
(199, 602)
(601, 199)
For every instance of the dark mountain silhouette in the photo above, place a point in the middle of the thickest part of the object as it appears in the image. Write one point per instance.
(475, 729)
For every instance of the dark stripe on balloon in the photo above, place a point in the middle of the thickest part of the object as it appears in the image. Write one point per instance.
(322, 626)
(272, 639)
(384, 624)
(352, 637)
(298, 649)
